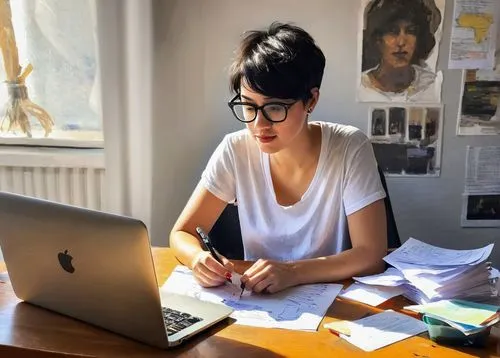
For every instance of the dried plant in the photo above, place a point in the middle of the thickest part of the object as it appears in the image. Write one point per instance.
(19, 107)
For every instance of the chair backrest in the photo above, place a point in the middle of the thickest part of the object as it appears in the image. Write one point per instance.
(393, 240)
(226, 232)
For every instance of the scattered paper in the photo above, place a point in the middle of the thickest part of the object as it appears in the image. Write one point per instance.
(339, 327)
(298, 308)
(382, 329)
(415, 251)
(460, 311)
(371, 295)
(434, 273)
(473, 34)
(494, 273)
(391, 277)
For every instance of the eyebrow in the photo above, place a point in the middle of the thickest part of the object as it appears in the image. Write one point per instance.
(266, 98)
(247, 98)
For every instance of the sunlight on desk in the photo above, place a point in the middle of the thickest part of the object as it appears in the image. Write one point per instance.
(24, 326)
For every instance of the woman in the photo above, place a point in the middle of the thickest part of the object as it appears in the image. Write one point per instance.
(309, 195)
(397, 40)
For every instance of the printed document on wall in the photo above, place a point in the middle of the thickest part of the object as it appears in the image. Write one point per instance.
(474, 34)
(481, 200)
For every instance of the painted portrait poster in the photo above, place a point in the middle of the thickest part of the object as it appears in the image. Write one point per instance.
(398, 48)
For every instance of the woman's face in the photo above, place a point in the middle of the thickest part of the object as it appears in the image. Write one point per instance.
(273, 137)
(398, 45)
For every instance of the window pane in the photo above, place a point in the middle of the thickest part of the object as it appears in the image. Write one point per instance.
(58, 38)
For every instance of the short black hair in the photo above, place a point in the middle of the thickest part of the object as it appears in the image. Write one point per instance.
(280, 62)
(382, 15)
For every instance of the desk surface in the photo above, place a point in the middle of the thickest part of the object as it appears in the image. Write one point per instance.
(26, 329)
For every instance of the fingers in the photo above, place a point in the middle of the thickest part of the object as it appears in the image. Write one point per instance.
(227, 264)
(206, 278)
(256, 267)
(208, 271)
(264, 285)
(213, 265)
(258, 277)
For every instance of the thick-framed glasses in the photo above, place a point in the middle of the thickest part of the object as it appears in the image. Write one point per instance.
(247, 112)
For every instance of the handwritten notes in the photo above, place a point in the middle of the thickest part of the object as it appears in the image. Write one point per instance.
(382, 329)
(298, 308)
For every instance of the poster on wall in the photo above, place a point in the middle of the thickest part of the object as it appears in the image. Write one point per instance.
(481, 211)
(398, 43)
(474, 34)
(481, 199)
(479, 111)
(407, 139)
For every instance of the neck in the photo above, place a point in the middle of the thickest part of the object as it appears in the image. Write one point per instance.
(298, 155)
(391, 79)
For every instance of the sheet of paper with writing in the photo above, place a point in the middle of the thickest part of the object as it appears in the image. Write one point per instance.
(370, 294)
(382, 329)
(298, 308)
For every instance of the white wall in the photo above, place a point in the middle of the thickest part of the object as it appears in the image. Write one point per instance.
(193, 44)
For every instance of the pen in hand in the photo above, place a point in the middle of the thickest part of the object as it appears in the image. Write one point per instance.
(242, 286)
(206, 241)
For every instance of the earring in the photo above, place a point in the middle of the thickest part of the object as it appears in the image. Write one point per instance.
(310, 110)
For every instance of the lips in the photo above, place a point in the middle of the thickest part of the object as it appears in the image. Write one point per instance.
(401, 54)
(265, 138)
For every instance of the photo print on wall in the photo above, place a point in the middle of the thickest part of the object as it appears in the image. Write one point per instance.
(407, 139)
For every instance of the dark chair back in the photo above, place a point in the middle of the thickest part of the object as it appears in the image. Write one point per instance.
(226, 232)
(393, 240)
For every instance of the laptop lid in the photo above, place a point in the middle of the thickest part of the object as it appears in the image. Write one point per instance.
(93, 266)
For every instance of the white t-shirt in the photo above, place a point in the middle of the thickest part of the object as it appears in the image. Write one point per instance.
(346, 180)
(426, 87)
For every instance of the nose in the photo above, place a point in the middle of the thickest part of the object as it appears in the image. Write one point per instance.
(402, 38)
(261, 121)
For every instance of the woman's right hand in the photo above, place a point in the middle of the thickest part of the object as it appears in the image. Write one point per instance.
(208, 272)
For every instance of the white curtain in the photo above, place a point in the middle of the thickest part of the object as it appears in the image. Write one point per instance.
(124, 32)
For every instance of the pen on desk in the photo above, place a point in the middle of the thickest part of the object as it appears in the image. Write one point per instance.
(206, 241)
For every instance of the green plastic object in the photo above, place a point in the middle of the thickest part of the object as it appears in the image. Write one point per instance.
(442, 333)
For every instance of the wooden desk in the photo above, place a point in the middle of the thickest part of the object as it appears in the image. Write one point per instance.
(27, 331)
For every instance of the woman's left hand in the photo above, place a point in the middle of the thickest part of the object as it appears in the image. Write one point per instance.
(266, 276)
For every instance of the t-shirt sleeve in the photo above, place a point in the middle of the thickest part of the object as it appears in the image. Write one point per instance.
(219, 175)
(362, 185)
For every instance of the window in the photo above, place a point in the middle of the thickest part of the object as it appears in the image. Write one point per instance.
(58, 37)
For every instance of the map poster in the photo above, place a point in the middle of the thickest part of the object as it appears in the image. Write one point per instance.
(474, 34)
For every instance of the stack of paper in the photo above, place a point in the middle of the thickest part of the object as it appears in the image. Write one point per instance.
(428, 273)
(468, 317)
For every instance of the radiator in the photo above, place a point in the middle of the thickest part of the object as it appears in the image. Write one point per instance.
(82, 187)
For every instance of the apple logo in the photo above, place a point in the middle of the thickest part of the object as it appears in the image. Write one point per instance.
(65, 261)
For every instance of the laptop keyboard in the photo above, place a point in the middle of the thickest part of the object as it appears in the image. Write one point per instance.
(176, 321)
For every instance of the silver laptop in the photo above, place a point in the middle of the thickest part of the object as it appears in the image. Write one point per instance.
(95, 267)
